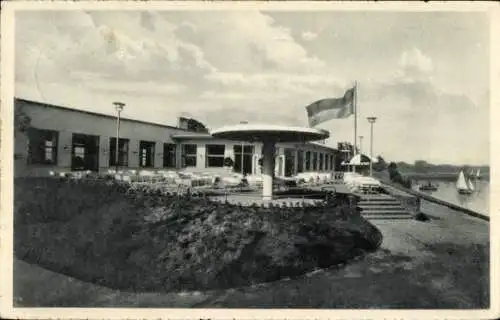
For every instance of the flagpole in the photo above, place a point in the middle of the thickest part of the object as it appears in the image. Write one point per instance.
(355, 152)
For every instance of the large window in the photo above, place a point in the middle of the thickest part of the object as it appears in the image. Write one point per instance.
(42, 146)
(315, 161)
(332, 162)
(146, 154)
(321, 162)
(189, 155)
(289, 162)
(123, 145)
(169, 155)
(300, 161)
(243, 158)
(215, 155)
(308, 160)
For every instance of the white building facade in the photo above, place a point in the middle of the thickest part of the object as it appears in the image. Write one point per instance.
(65, 139)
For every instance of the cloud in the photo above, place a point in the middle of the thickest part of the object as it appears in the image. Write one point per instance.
(133, 45)
(253, 38)
(225, 67)
(414, 65)
(309, 36)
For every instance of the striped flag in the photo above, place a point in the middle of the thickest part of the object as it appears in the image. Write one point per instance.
(333, 108)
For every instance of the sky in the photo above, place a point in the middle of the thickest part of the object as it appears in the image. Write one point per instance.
(425, 76)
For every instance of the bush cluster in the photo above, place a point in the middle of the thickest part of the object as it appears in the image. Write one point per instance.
(143, 238)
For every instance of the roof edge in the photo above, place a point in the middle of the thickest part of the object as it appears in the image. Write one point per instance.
(50, 105)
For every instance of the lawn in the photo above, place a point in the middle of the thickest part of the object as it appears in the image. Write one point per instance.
(145, 240)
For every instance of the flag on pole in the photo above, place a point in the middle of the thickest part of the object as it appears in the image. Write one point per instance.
(333, 108)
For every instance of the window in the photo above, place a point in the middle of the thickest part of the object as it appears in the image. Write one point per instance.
(321, 161)
(189, 155)
(300, 161)
(122, 152)
(146, 154)
(169, 155)
(42, 146)
(215, 155)
(315, 161)
(289, 162)
(332, 162)
(308, 160)
(243, 160)
(248, 149)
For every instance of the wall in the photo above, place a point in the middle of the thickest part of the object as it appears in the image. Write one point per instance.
(67, 122)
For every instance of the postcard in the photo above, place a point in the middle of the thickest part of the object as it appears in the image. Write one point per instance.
(287, 160)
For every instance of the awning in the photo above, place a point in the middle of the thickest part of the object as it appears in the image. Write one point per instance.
(360, 160)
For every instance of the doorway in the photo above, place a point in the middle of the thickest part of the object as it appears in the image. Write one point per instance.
(146, 154)
(84, 152)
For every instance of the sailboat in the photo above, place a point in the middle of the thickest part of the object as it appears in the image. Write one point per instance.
(478, 174)
(464, 186)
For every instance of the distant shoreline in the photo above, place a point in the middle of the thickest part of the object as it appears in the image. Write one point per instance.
(437, 175)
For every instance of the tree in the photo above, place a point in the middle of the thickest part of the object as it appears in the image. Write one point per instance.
(194, 125)
(396, 176)
(22, 122)
(380, 165)
(421, 166)
(393, 170)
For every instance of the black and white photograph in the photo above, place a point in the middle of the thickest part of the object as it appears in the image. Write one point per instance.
(232, 158)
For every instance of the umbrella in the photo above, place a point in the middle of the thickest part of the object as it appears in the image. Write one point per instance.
(361, 160)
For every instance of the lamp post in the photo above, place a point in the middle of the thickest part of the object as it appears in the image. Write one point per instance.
(371, 120)
(242, 153)
(119, 108)
(361, 144)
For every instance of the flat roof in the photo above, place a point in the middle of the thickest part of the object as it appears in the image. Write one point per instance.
(48, 105)
(276, 133)
(192, 135)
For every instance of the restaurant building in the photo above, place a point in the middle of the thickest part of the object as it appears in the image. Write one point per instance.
(67, 139)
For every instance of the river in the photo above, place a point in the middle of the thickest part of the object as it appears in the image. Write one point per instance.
(477, 201)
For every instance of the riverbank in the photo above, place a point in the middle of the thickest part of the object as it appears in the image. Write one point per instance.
(440, 264)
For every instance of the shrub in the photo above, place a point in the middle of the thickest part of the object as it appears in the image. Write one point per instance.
(143, 239)
(228, 162)
(421, 217)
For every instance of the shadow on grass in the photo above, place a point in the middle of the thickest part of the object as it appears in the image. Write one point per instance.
(451, 278)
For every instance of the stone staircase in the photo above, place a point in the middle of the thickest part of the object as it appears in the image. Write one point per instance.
(382, 206)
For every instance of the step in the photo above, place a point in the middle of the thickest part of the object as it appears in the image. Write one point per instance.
(389, 217)
(394, 209)
(379, 203)
(377, 199)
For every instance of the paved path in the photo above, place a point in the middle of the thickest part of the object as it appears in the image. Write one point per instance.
(438, 264)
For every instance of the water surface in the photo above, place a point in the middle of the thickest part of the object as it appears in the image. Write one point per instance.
(477, 201)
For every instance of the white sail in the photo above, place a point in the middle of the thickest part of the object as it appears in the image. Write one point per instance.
(470, 185)
(461, 182)
(478, 173)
